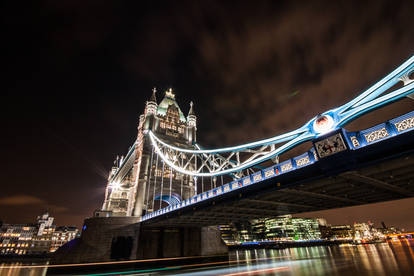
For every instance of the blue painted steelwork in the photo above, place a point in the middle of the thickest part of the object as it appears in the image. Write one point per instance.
(399, 125)
(170, 200)
(328, 121)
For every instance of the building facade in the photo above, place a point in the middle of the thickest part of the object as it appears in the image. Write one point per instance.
(282, 228)
(33, 239)
(62, 235)
(140, 182)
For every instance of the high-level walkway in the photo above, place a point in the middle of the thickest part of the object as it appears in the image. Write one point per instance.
(375, 165)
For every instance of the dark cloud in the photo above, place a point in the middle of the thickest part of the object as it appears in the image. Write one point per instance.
(21, 200)
(329, 52)
(79, 73)
(28, 200)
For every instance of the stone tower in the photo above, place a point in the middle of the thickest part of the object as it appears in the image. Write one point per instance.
(140, 182)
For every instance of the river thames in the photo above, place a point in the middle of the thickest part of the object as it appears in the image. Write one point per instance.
(390, 258)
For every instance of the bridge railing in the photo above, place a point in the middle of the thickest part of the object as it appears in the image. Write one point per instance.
(355, 140)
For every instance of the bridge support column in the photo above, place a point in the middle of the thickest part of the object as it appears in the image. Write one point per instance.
(164, 242)
(141, 183)
(124, 238)
(102, 239)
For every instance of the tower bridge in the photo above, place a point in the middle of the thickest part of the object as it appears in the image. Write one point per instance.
(367, 166)
(161, 182)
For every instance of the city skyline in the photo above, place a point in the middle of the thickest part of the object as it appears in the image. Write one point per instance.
(76, 97)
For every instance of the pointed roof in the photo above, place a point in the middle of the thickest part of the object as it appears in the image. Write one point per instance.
(153, 97)
(169, 99)
(191, 112)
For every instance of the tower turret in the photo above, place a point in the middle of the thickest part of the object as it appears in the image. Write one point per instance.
(192, 124)
(134, 185)
(151, 105)
(150, 110)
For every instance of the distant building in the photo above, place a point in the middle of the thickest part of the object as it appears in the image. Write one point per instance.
(62, 235)
(280, 228)
(228, 233)
(34, 239)
(357, 232)
(288, 228)
(341, 232)
(367, 232)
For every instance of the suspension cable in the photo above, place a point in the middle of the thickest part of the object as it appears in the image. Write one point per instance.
(162, 183)
(155, 184)
(170, 182)
(149, 180)
(182, 180)
(202, 184)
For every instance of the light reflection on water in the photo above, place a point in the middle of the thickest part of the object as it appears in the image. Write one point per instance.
(391, 258)
(16, 270)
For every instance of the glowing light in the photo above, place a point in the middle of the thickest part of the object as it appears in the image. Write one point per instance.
(169, 93)
(323, 124)
(298, 140)
(115, 185)
(259, 271)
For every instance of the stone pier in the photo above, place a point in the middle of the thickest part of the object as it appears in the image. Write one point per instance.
(124, 238)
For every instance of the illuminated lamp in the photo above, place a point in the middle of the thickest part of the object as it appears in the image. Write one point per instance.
(323, 124)
(116, 185)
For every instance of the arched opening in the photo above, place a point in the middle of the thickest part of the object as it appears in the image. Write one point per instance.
(166, 200)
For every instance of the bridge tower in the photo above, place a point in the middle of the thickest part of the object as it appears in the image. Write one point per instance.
(141, 182)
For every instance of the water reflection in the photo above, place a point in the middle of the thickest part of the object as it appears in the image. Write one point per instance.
(22, 269)
(392, 258)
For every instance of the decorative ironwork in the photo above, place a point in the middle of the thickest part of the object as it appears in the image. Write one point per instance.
(246, 181)
(405, 124)
(269, 173)
(232, 160)
(315, 155)
(354, 141)
(330, 145)
(256, 177)
(266, 172)
(302, 161)
(286, 167)
(376, 135)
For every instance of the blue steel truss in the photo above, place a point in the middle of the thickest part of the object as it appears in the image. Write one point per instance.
(232, 160)
(354, 140)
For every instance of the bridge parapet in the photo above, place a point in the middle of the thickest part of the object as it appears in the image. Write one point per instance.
(382, 131)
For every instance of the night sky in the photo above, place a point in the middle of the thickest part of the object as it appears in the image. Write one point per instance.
(77, 75)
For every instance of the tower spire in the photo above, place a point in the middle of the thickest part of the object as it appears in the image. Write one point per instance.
(191, 112)
(153, 97)
(151, 106)
(192, 119)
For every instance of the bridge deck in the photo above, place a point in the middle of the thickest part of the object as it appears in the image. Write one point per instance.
(373, 165)
(376, 172)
